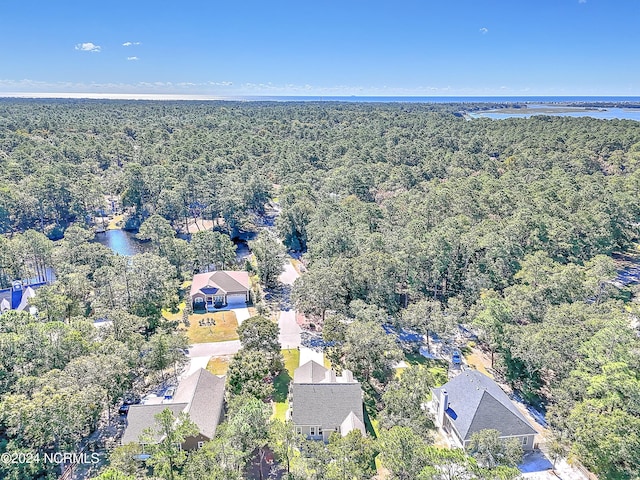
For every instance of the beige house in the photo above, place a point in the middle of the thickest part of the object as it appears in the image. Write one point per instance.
(471, 402)
(218, 289)
(201, 395)
(322, 402)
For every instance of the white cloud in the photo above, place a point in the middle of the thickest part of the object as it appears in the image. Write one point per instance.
(133, 58)
(88, 47)
(130, 44)
(484, 30)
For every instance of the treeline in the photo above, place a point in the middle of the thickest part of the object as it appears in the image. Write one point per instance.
(402, 211)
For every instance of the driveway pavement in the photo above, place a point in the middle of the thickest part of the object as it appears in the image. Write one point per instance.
(307, 354)
(242, 313)
(289, 329)
(289, 275)
(195, 364)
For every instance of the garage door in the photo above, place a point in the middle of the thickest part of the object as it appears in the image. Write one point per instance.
(236, 298)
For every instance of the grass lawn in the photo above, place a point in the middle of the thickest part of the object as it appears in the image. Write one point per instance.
(474, 360)
(327, 362)
(174, 317)
(281, 382)
(218, 365)
(223, 330)
(438, 368)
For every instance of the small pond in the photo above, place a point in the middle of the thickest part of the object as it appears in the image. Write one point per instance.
(122, 242)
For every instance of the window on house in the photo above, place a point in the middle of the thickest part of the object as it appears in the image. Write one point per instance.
(525, 440)
(200, 444)
(312, 431)
(299, 430)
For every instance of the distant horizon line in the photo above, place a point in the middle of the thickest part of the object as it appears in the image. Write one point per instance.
(206, 97)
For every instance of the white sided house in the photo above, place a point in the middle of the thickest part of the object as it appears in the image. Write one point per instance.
(18, 297)
(218, 289)
(322, 402)
(472, 402)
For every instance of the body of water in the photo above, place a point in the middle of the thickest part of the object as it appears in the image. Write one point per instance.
(603, 114)
(126, 243)
(122, 243)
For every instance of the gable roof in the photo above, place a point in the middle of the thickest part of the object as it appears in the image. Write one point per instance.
(141, 417)
(352, 422)
(201, 395)
(26, 295)
(478, 403)
(310, 372)
(204, 394)
(225, 280)
(5, 305)
(325, 404)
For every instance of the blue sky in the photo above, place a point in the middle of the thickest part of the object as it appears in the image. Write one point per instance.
(322, 47)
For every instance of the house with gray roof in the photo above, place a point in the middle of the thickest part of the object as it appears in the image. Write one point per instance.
(200, 395)
(216, 289)
(471, 402)
(321, 402)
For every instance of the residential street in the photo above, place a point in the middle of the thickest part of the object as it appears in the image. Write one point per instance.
(289, 329)
(289, 275)
(214, 349)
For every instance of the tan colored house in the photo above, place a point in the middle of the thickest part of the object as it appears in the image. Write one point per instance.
(471, 402)
(322, 402)
(218, 289)
(201, 395)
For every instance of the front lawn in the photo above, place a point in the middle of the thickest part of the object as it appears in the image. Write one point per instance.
(212, 327)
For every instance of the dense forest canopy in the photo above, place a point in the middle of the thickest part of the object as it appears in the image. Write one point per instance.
(401, 210)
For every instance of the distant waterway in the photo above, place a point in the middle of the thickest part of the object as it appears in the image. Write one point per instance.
(126, 243)
(122, 242)
(561, 111)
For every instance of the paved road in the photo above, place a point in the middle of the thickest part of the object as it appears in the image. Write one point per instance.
(289, 275)
(289, 329)
(214, 349)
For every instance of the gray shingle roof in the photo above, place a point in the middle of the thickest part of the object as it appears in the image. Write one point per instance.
(478, 403)
(204, 394)
(201, 395)
(141, 417)
(310, 372)
(325, 404)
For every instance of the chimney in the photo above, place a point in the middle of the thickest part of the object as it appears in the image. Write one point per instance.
(330, 376)
(347, 376)
(443, 404)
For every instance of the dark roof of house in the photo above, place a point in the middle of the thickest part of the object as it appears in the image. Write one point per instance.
(478, 403)
(204, 394)
(325, 404)
(310, 372)
(225, 280)
(142, 417)
(209, 290)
